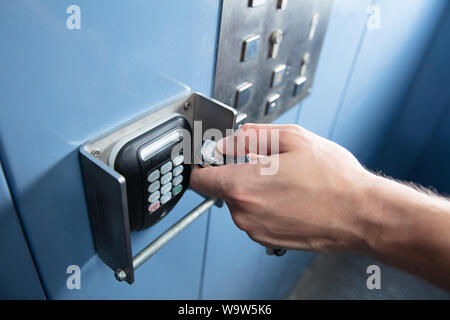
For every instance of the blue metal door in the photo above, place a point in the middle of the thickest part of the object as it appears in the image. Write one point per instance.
(18, 276)
(61, 87)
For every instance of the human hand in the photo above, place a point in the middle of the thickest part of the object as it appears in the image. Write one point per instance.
(312, 202)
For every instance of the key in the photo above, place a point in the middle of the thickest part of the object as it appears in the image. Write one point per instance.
(211, 157)
(276, 38)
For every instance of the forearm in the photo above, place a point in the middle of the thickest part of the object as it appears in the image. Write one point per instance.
(408, 229)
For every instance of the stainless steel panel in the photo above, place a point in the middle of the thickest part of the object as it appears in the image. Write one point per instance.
(303, 24)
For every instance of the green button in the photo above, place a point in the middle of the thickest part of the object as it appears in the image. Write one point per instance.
(177, 190)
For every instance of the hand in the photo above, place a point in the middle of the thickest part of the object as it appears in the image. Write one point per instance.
(312, 202)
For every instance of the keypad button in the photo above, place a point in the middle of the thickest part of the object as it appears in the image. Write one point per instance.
(166, 178)
(250, 48)
(166, 188)
(165, 198)
(243, 93)
(153, 206)
(256, 3)
(178, 160)
(154, 186)
(154, 197)
(282, 4)
(177, 170)
(166, 167)
(299, 85)
(153, 176)
(278, 75)
(177, 180)
(177, 190)
(272, 103)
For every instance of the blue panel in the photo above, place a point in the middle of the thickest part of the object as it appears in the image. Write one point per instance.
(433, 166)
(422, 109)
(383, 72)
(233, 260)
(344, 33)
(18, 277)
(61, 87)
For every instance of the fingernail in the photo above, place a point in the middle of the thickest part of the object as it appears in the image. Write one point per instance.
(220, 146)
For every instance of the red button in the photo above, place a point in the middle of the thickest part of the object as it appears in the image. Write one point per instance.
(153, 207)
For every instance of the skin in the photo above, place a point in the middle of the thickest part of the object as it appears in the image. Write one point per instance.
(321, 199)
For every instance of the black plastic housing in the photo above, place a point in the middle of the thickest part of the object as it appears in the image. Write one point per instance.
(135, 171)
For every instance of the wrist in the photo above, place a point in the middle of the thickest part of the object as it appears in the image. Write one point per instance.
(387, 225)
(405, 228)
(368, 212)
(398, 218)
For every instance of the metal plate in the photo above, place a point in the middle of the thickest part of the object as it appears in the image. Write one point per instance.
(108, 212)
(239, 21)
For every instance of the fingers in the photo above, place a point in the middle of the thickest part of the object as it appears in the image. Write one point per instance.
(221, 182)
(260, 139)
(210, 181)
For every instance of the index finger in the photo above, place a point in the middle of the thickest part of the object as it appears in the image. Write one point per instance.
(260, 139)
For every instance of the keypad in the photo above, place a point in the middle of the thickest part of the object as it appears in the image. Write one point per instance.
(178, 170)
(166, 188)
(165, 183)
(153, 176)
(165, 198)
(153, 206)
(177, 190)
(154, 186)
(177, 180)
(154, 196)
(166, 178)
(166, 167)
(179, 159)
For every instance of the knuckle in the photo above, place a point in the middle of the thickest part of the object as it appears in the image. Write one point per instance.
(295, 128)
(236, 193)
(226, 186)
(193, 181)
(245, 127)
(241, 222)
(295, 133)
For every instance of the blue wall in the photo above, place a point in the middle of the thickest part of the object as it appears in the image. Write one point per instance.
(417, 146)
(60, 88)
(18, 276)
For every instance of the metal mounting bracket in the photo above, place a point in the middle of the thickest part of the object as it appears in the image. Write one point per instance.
(106, 189)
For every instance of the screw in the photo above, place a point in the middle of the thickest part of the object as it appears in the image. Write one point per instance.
(187, 105)
(120, 275)
(96, 153)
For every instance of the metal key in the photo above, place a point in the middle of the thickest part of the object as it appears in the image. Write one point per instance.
(211, 157)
